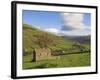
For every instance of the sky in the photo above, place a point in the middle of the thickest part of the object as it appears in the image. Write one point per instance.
(59, 23)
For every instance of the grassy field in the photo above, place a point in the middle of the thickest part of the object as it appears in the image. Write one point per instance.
(70, 60)
(34, 38)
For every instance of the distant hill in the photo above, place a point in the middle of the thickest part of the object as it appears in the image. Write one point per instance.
(32, 35)
(80, 39)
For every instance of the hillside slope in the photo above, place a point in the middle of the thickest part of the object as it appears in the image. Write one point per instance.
(80, 39)
(31, 36)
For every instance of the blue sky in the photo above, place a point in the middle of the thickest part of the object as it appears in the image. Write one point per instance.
(44, 19)
(87, 19)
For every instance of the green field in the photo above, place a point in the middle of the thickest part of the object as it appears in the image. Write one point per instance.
(70, 60)
(34, 38)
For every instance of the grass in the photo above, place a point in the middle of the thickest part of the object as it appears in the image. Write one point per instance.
(30, 39)
(70, 60)
(30, 42)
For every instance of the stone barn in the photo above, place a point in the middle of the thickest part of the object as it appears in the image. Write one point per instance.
(41, 54)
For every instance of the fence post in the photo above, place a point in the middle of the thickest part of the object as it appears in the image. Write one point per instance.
(33, 56)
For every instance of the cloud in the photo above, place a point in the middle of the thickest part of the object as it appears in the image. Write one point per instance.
(73, 21)
(82, 32)
(52, 30)
(73, 26)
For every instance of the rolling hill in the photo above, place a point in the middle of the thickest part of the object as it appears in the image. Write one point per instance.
(32, 35)
(80, 39)
(34, 38)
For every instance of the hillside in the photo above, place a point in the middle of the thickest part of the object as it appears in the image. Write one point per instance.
(32, 35)
(80, 39)
(65, 52)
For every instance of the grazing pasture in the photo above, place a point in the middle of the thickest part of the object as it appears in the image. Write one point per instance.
(69, 60)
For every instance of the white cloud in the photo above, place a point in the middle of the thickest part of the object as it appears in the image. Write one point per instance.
(52, 30)
(73, 21)
(81, 32)
(73, 26)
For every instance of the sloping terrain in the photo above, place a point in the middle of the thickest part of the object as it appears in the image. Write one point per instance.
(32, 36)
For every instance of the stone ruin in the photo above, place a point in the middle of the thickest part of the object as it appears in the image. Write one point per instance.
(41, 54)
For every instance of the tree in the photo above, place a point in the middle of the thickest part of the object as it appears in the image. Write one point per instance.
(78, 46)
(44, 40)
